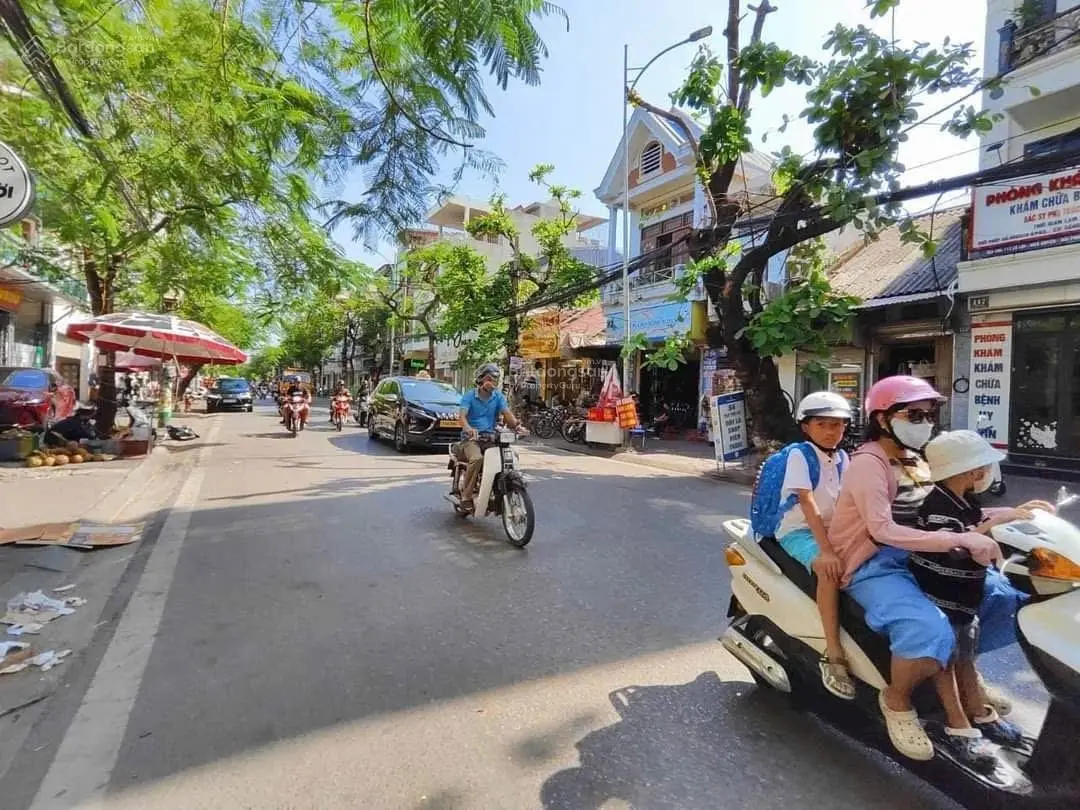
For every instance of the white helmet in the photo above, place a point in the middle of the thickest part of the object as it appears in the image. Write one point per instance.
(823, 403)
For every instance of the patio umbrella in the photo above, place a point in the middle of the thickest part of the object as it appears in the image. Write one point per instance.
(162, 336)
(129, 361)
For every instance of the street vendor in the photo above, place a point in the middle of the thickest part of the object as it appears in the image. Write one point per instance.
(77, 427)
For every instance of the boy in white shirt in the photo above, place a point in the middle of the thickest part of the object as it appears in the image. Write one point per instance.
(804, 529)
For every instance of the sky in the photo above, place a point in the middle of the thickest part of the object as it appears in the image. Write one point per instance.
(573, 119)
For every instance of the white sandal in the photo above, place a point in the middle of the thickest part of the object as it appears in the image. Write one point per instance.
(906, 732)
(836, 678)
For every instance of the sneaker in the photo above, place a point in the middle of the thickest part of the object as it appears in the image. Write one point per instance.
(1005, 733)
(968, 748)
(906, 733)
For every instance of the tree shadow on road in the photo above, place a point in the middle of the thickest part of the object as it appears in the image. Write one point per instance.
(714, 744)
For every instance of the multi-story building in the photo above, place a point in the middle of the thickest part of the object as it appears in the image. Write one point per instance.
(666, 201)
(1022, 274)
(448, 222)
(36, 308)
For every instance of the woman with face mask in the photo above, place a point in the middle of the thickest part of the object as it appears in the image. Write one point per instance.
(872, 531)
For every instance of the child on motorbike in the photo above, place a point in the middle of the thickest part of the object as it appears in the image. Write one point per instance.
(961, 465)
(803, 531)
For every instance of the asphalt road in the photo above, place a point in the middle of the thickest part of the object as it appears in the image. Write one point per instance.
(316, 629)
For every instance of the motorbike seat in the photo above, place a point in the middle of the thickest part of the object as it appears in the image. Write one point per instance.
(852, 615)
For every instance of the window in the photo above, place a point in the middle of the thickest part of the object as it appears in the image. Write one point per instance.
(1066, 142)
(30, 378)
(651, 158)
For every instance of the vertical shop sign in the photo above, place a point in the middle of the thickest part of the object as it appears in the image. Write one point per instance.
(730, 438)
(991, 370)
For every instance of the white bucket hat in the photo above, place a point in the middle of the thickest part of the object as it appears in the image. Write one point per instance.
(959, 451)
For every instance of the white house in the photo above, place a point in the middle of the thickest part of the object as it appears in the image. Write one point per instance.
(666, 201)
(1022, 276)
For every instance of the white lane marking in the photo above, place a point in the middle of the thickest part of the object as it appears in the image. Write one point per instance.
(79, 775)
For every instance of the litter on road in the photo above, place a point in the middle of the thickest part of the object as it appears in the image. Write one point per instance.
(72, 535)
(30, 610)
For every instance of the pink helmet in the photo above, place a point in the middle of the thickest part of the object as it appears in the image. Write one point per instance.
(892, 391)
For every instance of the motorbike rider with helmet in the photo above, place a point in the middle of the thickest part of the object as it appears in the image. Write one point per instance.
(295, 388)
(480, 412)
(872, 530)
(342, 390)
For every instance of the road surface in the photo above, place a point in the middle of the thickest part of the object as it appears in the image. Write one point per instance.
(314, 628)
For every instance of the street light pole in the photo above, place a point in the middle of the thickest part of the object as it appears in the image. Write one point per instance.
(628, 88)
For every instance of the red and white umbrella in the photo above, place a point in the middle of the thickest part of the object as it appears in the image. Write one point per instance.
(163, 336)
(129, 361)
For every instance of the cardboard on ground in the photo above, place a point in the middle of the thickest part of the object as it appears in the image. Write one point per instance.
(73, 535)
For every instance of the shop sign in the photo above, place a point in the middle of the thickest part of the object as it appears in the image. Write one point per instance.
(730, 438)
(655, 321)
(991, 371)
(10, 299)
(1038, 210)
(847, 384)
(16, 187)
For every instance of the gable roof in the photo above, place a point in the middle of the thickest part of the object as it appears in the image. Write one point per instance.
(887, 271)
(671, 136)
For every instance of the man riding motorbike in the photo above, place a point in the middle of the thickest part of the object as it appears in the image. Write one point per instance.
(480, 412)
(294, 388)
(342, 390)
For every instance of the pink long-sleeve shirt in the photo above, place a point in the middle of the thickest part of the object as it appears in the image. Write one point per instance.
(863, 513)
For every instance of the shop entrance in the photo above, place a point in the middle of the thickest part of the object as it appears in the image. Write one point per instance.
(678, 388)
(1045, 389)
(916, 359)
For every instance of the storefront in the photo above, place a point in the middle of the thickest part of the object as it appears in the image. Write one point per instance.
(1024, 389)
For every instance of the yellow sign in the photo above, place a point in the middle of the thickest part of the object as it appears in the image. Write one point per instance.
(540, 337)
(10, 299)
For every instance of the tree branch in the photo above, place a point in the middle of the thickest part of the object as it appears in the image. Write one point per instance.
(731, 33)
(762, 11)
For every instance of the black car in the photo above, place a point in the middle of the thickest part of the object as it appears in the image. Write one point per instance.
(415, 412)
(230, 394)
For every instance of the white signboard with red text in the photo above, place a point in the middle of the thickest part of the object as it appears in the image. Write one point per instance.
(1039, 209)
(991, 371)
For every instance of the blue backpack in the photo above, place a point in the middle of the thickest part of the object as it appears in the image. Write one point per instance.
(766, 508)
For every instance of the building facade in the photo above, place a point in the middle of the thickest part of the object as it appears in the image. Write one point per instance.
(1021, 279)
(666, 202)
(35, 311)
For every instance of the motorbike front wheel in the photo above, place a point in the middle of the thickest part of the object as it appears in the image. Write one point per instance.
(518, 515)
(338, 421)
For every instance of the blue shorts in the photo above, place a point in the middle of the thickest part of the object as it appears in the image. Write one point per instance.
(896, 606)
(801, 545)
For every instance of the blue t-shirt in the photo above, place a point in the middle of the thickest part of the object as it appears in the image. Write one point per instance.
(482, 414)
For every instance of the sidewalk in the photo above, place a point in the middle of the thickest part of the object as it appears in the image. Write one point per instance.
(677, 455)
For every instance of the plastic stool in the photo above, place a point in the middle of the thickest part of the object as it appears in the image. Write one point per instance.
(638, 431)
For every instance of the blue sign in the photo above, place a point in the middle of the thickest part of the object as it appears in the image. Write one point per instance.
(655, 321)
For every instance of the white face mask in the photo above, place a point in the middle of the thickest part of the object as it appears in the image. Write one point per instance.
(913, 437)
(984, 483)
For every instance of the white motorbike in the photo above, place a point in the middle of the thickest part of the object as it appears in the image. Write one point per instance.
(776, 633)
(501, 489)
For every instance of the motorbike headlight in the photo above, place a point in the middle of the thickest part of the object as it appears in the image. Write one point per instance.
(1052, 565)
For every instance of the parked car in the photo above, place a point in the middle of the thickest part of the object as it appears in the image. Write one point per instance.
(230, 393)
(415, 413)
(34, 397)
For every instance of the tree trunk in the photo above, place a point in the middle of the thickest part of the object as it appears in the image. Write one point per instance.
(99, 285)
(185, 382)
(431, 354)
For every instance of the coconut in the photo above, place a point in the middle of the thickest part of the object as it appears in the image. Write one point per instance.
(60, 460)
(49, 461)
(34, 461)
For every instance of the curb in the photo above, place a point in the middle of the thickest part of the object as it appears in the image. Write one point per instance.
(742, 477)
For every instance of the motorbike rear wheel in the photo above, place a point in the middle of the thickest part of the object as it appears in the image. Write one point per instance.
(518, 515)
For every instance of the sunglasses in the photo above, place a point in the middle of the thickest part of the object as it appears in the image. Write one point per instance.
(917, 416)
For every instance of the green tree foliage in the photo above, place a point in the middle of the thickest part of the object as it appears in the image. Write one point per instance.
(863, 98)
(490, 309)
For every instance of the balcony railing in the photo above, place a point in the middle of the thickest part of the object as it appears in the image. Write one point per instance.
(1019, 46)
(648, 276)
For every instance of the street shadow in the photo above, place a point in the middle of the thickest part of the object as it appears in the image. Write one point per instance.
(713, 744)
(293, 616)
(183, 447)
